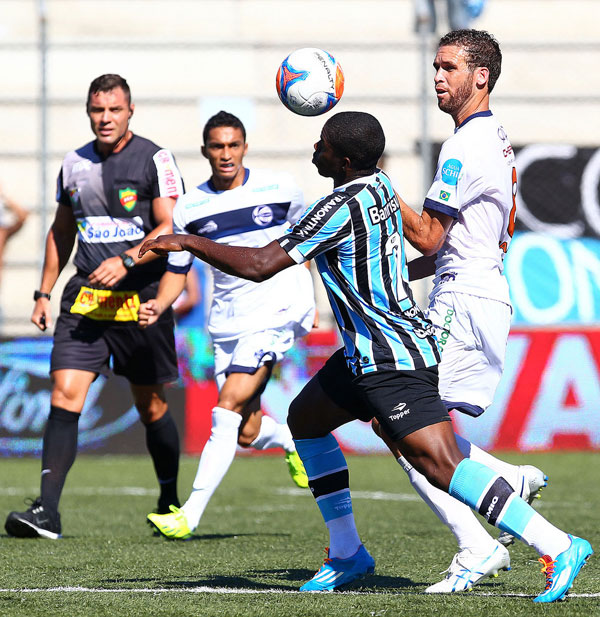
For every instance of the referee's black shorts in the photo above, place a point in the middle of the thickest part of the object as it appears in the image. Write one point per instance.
(144, 357)
(402, 401)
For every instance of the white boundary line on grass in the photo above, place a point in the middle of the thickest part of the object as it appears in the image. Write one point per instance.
(228, 590)
(138, 491)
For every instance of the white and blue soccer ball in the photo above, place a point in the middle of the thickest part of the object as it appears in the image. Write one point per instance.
(310, 81)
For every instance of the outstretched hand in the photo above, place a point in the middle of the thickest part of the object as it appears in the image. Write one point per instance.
(163, 245)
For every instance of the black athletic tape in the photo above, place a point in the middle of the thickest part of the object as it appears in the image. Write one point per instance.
(330, 483)
(495, 500)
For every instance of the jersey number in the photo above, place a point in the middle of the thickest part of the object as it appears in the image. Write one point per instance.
(393, 243)
(510, 230)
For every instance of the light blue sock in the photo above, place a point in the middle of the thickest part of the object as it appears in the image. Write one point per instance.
(327, 473)
(491, 495)
(329, 482)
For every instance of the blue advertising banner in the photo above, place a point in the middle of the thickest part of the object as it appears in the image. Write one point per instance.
(554, 281)
(109, 421)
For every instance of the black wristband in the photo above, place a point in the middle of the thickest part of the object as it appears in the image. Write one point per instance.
(40, 294)
(127, 260)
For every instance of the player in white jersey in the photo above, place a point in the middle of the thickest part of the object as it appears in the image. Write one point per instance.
(464, 231)
(251, 324)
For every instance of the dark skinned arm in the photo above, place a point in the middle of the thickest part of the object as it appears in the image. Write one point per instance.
(421, 267)
(254, 264)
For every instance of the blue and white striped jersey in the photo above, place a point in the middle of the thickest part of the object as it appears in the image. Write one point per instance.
(355, 237)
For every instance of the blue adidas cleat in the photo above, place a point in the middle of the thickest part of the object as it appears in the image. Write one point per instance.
(334, 573)
(561, 572)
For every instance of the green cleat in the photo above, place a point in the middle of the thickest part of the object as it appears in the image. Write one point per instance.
(172, 526)
(296, 467)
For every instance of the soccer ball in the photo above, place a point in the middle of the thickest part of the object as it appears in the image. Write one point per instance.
(310, 81)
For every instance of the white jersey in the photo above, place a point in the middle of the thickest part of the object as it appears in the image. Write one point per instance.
(253, 214)
(475, 182)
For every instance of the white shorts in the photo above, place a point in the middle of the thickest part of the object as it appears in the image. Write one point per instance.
(248, 353)
(472, 333)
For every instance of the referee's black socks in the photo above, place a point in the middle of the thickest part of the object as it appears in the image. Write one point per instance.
(58, 453)
(162, 440)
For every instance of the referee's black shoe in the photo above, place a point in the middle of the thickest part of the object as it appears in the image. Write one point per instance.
(36, 522)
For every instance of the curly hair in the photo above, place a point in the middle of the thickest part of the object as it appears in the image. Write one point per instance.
(482, 49)
(358, 136)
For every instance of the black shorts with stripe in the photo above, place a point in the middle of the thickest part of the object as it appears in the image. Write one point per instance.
(402, 401)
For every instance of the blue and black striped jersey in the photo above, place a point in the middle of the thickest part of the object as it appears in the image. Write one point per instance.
(355, 237)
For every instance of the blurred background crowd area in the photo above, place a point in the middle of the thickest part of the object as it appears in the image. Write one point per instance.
(187, 59)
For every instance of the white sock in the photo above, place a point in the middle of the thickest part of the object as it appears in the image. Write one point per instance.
(216, 458)
(273, 435)
(457, 516)
(544, 537)
(343, 537)
(509, 472)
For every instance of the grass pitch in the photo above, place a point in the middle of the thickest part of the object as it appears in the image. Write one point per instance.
(261, 538)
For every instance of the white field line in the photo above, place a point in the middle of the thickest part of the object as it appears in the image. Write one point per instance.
(138, 491)
(228, 590)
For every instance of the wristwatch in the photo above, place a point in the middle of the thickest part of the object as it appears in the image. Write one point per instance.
(40, 294)
(127, 260)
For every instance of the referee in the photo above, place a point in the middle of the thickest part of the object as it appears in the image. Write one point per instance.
(113, 193)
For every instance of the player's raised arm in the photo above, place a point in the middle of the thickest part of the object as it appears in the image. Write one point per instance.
(254, 264)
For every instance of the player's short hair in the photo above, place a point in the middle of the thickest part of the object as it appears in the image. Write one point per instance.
(358, 136)
(223, 118)
(482, 49)
(106, 83)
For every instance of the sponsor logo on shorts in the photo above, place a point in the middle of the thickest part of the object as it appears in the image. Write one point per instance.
(402, 411)
(128, 198)
(443, 338)
(258, 355)
(107, 305)
(444, 195)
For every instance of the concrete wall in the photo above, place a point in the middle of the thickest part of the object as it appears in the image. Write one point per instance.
(185, 59)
